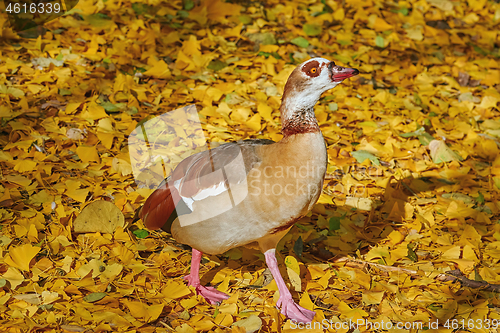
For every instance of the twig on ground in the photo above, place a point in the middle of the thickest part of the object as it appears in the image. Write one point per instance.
(453, 275)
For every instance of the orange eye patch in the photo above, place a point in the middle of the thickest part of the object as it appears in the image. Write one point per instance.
(311, 68)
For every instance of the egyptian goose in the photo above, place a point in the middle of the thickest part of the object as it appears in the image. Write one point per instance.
(251, 191)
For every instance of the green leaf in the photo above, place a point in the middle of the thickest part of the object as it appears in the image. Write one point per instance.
(326, 9)
(479, 50)
(94, 297)
(403, 11)
(113, 108)
(341, 58)
(425, 139)
(234, 254)
(369, 124)
(458, 196)
(362, 155)
(264, 38)
(345, 42)
(435, 307)
(140, 233)
(183, 14)
(379, 41)
(300, 42)
(132, 110)
(480, 198)
(312, 29)
(139, 8)
(446, 181)
(245, 19)
(188, 4)
(439, 55)
(298, 247)
(497, 182)
(477, 276)
(411, 253)
(267, 54)
(334, 223)
(440, 152)
(419, 131)
(216, 65)
(64, 92)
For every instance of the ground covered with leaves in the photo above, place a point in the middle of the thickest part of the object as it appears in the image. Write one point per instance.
(412, 185)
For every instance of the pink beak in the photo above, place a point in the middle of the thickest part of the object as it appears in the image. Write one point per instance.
(340, 73)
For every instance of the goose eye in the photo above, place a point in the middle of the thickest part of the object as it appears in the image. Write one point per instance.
(313, 70)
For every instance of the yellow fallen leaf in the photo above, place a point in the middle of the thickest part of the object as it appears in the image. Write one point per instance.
(143, 311)
(25, 166)
(415, 33)
(381, 25)
(305, 301)
(79, 195)
(21, 256)
(72, 107)
(93, 266)
(112, 270)
(94, 111)
(444, 5)
(99, 216)
(14, 277)
(396, 237)
(372, 297)
(265, 111)
(488, 102)
(360, 203)
(31, 298)
(293, 270)
(185, 328)
(18, 179)
(254, 122)
(251, 323)
(339, 14)
(106, 139)
(188, 303)
(175, 290)
(231, 308)
(160, 70)
(49, 296)
(452, 253)
(88, 154)
(122, 166)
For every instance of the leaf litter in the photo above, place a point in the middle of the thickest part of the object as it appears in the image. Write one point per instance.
(410, 195)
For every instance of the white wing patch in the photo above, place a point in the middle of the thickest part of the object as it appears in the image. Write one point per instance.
(210, 191)
(203, 194)
(217, 183)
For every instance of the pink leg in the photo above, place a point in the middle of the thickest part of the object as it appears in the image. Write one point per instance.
(212, 295)
(288, 307)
